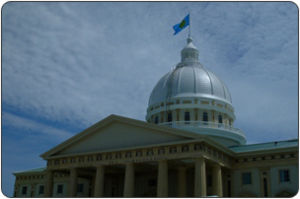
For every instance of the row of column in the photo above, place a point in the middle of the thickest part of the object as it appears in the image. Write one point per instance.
(162, 180)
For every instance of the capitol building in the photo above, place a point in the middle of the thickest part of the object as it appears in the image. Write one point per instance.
(187, 147)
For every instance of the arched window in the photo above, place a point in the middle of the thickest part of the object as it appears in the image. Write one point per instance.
(205, 117)
(220, 119)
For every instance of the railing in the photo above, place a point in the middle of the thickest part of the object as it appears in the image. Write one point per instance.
(202, 124)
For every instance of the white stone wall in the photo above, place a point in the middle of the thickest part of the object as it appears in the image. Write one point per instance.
(28, 193)
(64, 191)
(250, 189)
(85, 183)
(277, 186)
(37, 188)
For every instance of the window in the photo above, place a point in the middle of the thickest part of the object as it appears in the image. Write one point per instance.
(170, 117)
(185, 148)
(99, 157)
(156, 120)
(173, 150)
(139, 154)
(90, 158)
(187, 117)
(128, 155)
(109, 156)
(161, 151)
(284, 175)
(118, 155)
(81, 159)
(41, 189)
(246, 178)
(220, 119)
(150, 152)
(24, 190)
(198, 147)
(80, 188)
(205, 117)
(60, 188)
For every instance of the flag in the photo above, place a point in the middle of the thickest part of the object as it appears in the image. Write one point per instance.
(184, 23)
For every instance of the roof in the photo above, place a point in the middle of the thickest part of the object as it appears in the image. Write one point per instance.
(265, 146)
(189, 135)
(37, 170)
(115, 118)
(189, 79)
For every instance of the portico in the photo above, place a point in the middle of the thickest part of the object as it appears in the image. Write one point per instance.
(162, 178)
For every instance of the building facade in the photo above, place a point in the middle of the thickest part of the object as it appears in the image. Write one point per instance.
(188, 147)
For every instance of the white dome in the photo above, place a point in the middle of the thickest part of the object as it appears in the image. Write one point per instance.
(189, 79)
(192, 98)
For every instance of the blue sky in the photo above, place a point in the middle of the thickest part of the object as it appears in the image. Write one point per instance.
(66, 66)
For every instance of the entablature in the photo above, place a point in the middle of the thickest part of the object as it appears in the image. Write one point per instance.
(167, 151)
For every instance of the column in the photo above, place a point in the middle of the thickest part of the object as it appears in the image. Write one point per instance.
(99, 182)
(165, 113)
(217, 180)
(200, 115)
(129, 180)
(174, 116)
(192, 114)
(162, 117)
(200, 178)
(181, 181)
(73, 182)
(49, 184)
(196, 114)
(162, 179)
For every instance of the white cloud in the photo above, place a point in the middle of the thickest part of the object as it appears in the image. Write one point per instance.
(30, 126)
(74, 63)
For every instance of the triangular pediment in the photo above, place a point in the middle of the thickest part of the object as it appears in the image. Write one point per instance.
(117, 132)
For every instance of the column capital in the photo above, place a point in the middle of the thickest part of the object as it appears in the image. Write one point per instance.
(216, 165)
(202, 158)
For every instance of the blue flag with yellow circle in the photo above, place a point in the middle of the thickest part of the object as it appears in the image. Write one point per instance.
(184, 23)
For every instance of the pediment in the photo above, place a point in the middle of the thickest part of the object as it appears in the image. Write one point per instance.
(114, 133)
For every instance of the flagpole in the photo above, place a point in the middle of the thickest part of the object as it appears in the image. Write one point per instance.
(190, 25)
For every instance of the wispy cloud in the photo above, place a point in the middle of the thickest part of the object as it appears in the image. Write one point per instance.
(26, 125)
(74, 63)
